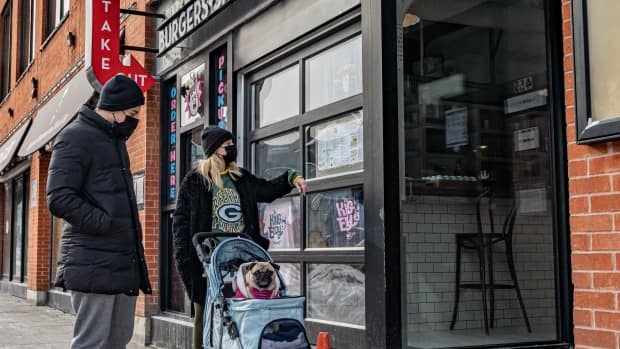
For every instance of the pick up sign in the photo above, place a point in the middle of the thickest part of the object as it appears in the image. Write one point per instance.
(103, 45)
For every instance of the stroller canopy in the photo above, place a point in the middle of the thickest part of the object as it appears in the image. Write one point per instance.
(229, 255)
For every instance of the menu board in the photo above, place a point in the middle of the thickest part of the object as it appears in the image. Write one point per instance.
(339, 145)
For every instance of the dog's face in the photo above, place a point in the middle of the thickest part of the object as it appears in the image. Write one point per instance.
(262, 276)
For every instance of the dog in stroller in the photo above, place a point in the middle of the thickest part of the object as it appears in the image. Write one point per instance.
(234, 321)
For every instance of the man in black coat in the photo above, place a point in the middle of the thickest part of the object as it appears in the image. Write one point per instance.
(90, 186)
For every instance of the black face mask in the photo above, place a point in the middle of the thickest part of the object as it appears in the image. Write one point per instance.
(124, 129)
(231, 154)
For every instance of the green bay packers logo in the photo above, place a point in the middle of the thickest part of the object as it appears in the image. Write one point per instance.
(229, 213)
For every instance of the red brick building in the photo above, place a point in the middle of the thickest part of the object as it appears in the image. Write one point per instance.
(594, 183)
(469, 98)
(43, 59)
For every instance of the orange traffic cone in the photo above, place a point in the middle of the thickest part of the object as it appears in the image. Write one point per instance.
(322, 341)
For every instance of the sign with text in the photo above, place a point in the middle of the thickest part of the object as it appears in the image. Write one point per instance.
(220, 89)
(191, 15)
(526, 139)
(456, 127)
(525, 101)
(103, 57)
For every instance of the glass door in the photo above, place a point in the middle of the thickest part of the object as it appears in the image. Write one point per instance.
(20, 228)
(6, 236)
(477, 204)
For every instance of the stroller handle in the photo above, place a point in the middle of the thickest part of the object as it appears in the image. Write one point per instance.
(198, 238)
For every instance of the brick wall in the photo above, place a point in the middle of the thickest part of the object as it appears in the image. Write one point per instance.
(144, 149)
(39, 226)
(594, 185)
(430, 224)
(53, 59)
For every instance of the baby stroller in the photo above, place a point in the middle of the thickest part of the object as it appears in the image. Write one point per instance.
(236, 323)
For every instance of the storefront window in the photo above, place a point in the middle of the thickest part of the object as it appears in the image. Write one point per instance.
(173, 298)
(57, 227)
(477, 214)
(336, 293)
(6, 236)
(18, 226)
(319, 238)
(277, 97)
(176, 300)
(280, 223)
(276, 155)
(192, 96)
(15, 237)
(335, 74)
(291, 272)
(192, 148)
(336, 219)
(335, 147)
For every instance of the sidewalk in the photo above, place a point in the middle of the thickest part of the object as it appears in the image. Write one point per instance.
(25, 326)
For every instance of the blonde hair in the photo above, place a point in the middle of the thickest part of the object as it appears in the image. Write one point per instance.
(210, 169)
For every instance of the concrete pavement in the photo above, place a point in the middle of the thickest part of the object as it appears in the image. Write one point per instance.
(25, 326)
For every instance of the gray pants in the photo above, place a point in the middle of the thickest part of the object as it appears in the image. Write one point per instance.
(102, 321)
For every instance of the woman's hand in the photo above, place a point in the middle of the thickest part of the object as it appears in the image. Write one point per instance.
(301, 185)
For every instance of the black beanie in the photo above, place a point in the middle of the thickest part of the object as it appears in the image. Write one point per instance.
(213, 137)
(120, 93)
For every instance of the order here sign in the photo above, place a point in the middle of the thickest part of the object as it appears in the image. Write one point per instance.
(103, 45)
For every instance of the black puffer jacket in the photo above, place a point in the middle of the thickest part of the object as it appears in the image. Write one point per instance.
(90, 186)
(193, 214)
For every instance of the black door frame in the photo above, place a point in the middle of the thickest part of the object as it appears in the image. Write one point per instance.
(382, 259)
(384, 303)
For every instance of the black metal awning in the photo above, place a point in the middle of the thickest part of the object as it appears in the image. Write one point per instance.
(57, 113)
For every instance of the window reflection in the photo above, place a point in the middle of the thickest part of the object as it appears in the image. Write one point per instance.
(475, 148)
(57, 227)
(280, 223)
(291, 272)
(195, 144)
(336, 293)
(335, 147)
(277, 97)
(335, 74)
(276, 155)
(336, 219)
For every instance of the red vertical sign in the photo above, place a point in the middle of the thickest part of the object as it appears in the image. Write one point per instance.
(105, 46)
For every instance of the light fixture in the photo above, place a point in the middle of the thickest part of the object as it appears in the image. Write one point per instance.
(35, 87)
(410, 20)
(70, 39)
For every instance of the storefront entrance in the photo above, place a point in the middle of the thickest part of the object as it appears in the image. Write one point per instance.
(15, 239)
(478, 189)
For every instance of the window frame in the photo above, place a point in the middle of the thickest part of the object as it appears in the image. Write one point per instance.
(168, 204)
(55, 15)
(26, 34)
(298, 54)
(390, 313)
(21, 275)
(6, 15)
(587, 131)
(173, 78)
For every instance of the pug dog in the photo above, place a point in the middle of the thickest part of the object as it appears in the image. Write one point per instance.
(260, 281)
